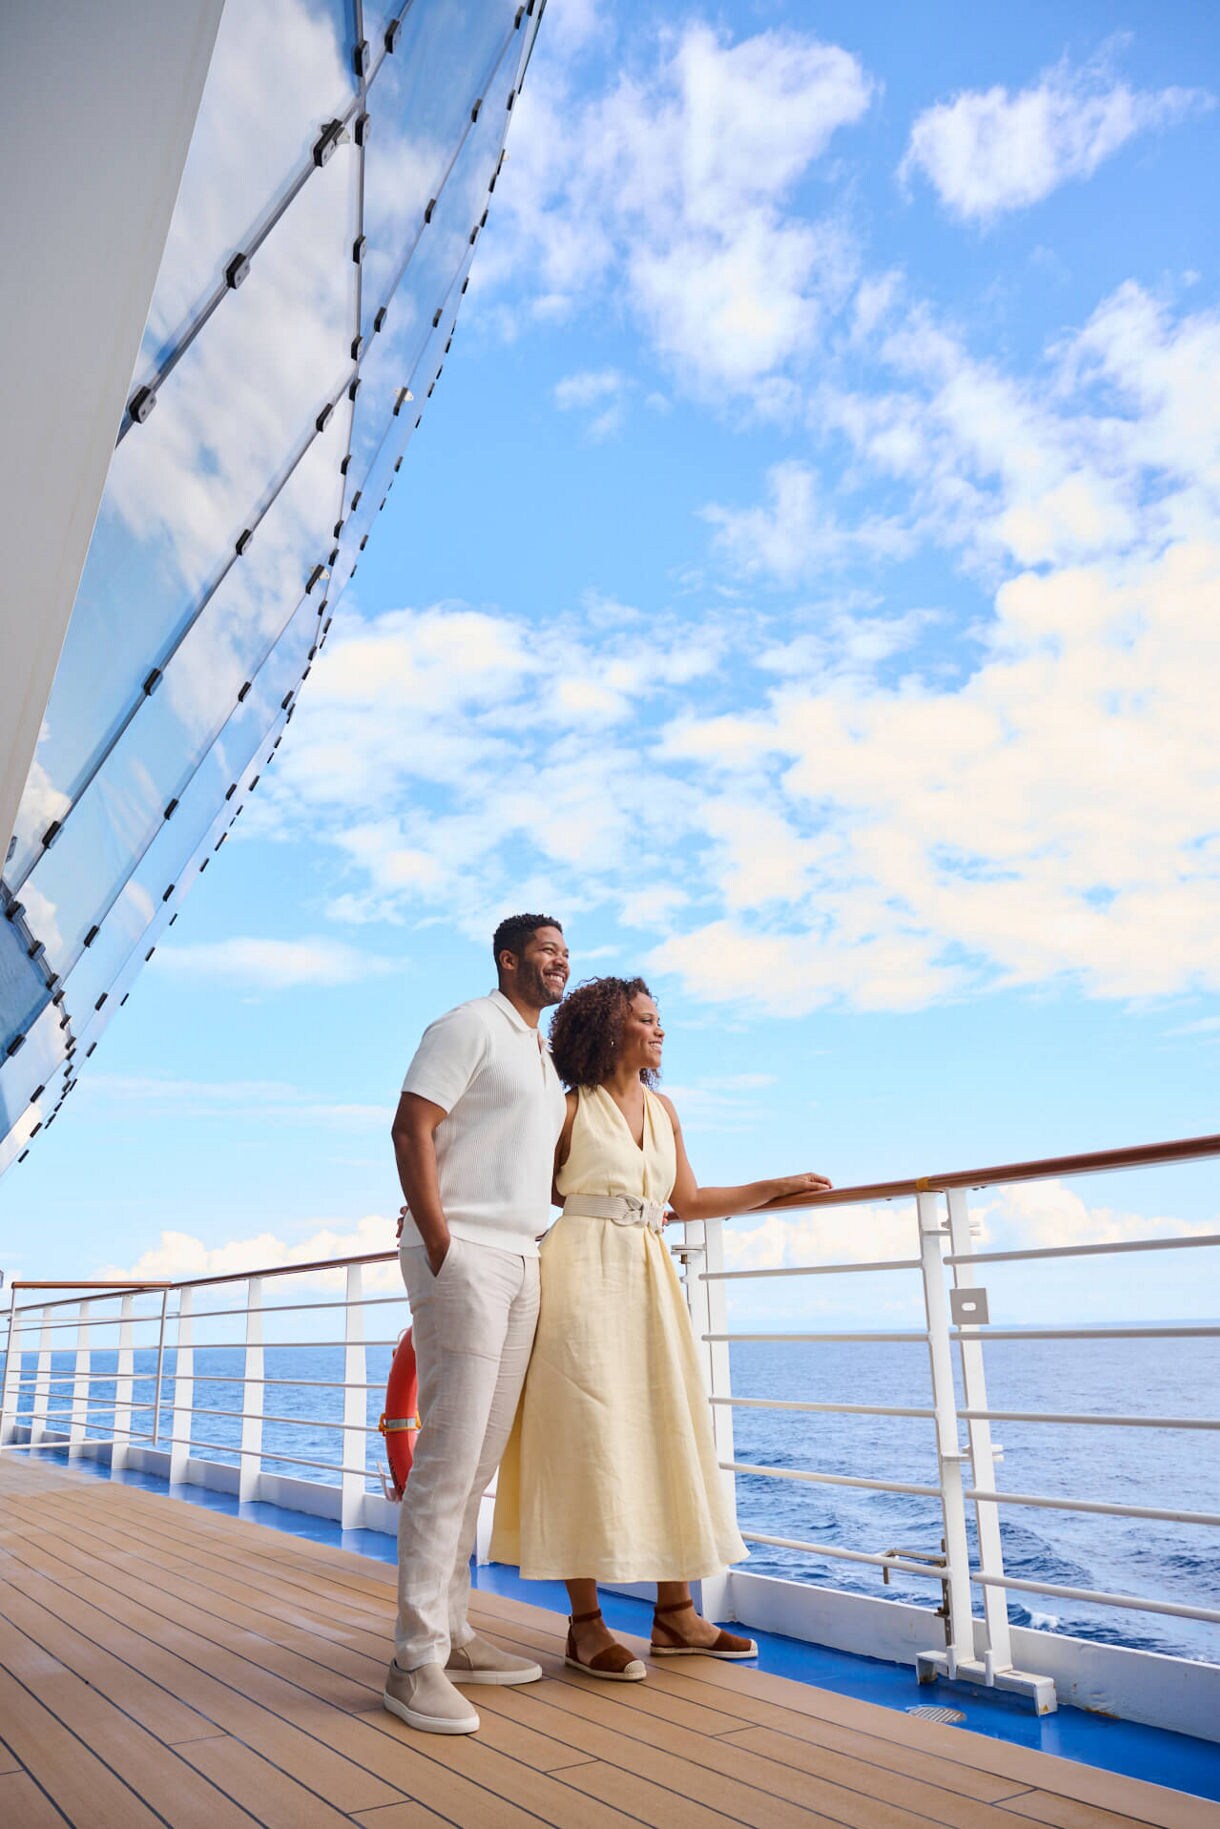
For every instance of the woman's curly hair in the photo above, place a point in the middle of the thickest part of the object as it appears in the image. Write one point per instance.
(587, 1030)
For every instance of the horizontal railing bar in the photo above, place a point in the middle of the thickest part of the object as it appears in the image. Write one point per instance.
(1116, 1422)
(1129, 1244)
(1078, 1333)
(735, 1276)
(831, 1479)
(286, 1308)
(784, 1403)
(1046, 1168)
(113, 1283)
(297, 1422)
(237, 1346)
(289, 1460)
(1045, 1503)
(830, 1549)
(815, 1337)
(325, 1263)
(32, 1329)
(1174, 1609)
(320, 1384)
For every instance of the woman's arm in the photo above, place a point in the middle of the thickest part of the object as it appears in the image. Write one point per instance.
(690, 1201)
(564, 1145)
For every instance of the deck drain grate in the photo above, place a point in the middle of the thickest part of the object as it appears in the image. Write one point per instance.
(925, 1711)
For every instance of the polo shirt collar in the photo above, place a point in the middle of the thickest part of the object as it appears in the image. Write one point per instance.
(512, 1012)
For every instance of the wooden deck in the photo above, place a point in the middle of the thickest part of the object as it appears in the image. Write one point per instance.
(163, 1664)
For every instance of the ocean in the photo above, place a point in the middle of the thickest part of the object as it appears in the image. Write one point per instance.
(1178, 1469)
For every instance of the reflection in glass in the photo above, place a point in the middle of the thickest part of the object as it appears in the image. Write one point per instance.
(287, 66)
(237, 506)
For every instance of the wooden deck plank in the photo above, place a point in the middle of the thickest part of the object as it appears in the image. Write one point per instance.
(402, 1816)
(153, 1771)
(280, 1802)
(476, 1778)
(24, 1806)
(1063, 1812)
(653, 1804)
(102, 1607)
(323, 1671)
(147, 1702)
(275, 1647)
(85, 1789)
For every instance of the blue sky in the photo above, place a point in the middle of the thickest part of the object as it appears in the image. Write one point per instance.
(804, 584)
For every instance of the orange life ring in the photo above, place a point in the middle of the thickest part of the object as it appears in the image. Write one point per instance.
(399, 1419)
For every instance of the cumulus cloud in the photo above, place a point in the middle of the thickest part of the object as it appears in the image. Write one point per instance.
(796, 534)
(677, 185)
(992, 150)
(177, 1256)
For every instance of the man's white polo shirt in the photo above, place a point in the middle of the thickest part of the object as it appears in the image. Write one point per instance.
(491, 1073)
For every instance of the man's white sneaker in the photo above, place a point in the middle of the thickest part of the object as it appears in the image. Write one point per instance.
(425, 1698)
(479, 1662)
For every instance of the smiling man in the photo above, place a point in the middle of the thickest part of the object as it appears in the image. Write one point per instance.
(474, 1136)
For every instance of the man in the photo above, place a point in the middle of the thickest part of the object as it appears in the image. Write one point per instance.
(474, 1135)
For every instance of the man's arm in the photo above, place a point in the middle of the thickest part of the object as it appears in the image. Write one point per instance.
(414, 1134)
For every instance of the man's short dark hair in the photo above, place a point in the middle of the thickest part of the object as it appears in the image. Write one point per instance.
(515, 933)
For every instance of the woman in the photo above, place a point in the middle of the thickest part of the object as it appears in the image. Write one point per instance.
(611, 1473)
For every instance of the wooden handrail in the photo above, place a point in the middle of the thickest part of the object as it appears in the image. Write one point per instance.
(1093, 1162)
(76, 1283)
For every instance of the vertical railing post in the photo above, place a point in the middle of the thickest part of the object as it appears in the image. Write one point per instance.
(184, 1390)
(998, 1652)
(123, 1372)
(10, 1391)
(959, 1627)
(40, 1406)
(355, 1402)
(156, 1424)
(82, 1384)
(703, 1251)
(249, 1477)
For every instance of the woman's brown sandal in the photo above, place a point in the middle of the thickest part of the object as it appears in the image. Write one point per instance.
(724, 1645)
(615, 1664)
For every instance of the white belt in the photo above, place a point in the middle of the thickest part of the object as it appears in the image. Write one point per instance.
(623, 1209)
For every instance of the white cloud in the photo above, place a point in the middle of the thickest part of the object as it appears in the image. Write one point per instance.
(675, 185)
(796, 535)
(988, 151)
(273, 965)
(180, 1255)
(589, 388)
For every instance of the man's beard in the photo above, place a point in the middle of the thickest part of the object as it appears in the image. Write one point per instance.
(537, 989)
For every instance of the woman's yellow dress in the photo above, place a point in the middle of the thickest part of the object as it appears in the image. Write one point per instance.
(611, 1471)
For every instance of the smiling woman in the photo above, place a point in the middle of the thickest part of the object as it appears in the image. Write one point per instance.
(611, 1473)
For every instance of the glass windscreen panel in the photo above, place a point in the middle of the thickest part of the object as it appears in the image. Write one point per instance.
(420, 105)
(180, 749)
(279, 74)
(186, 487)
(429, 290)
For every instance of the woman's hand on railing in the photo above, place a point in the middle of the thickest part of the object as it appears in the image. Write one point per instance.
(794, 1187)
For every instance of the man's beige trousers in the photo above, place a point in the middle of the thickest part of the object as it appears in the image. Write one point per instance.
(473, 1329)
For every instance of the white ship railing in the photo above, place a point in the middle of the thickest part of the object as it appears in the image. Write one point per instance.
(89, 1408)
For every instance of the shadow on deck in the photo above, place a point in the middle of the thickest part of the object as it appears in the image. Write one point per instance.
(164, 1664)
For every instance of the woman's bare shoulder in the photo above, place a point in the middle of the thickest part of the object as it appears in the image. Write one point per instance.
(664, 1099)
